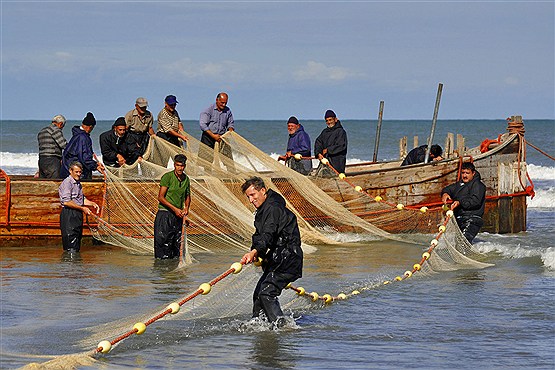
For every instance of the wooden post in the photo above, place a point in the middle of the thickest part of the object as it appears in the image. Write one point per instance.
(449, 145)
(434, 121)
(415, 142)
(403, 147)
(460, 145)
(378, 130)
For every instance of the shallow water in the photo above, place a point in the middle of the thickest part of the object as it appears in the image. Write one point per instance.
(497, 317)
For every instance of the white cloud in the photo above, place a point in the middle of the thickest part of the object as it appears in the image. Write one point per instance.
(512, 81)
(317, 71)
(186, 68)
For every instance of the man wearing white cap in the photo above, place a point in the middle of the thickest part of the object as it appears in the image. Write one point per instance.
(139, 122)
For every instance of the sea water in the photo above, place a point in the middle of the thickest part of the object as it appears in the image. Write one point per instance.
(498, 317)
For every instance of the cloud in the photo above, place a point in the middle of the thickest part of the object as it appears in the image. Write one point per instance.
(511, 81)
(188, 69)
(316, 71)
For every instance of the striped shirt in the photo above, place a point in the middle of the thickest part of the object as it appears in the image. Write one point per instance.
(168, 121)
(51, 141)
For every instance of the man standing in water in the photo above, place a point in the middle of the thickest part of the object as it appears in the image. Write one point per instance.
(74, 205)
(174, 200)
(469, 200)
(277, 242)
(332, 142)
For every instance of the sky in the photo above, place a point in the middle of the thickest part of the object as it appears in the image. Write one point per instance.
(279, 58)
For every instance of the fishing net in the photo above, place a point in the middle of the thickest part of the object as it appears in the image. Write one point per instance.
(220, 215)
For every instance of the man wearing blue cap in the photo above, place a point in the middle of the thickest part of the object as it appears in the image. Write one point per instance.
(332, 143)
(170, 127)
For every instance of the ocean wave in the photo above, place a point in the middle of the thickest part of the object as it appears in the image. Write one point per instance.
(544, 198)
(541, 172)
(547, 254)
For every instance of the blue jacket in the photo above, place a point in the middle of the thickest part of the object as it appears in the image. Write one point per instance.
(79, 149)
(299, 142)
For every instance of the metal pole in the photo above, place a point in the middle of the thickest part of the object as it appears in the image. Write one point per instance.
(378, 130)
(434, 121)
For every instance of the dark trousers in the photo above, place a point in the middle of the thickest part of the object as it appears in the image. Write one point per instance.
(470, 226)
(167, 234)
(135, 143)
(170, 138)
(208, 154)
(49, 167)
(265, 297)
(71, 225)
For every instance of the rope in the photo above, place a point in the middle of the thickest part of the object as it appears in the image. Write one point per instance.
(539, 150)
(328, 298)
(173, 308)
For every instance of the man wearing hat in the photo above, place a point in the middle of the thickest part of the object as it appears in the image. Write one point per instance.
(139, 123)
(332, 142)
(79, 149)
(298, 143)
(112, 144)
(170, 127)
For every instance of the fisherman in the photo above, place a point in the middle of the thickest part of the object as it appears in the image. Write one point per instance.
(216, 120)
(298, 144)
(74, 204)
(174, 200)
(277, 242)
(469, 199)
(170, 127)
(332, 142)
(418, 154)
(113, 145)
(51, 144)
(139, 123)
(79, 149)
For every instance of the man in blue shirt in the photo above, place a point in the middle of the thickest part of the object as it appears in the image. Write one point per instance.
(215, 121)
(298, 144)
(74, 205)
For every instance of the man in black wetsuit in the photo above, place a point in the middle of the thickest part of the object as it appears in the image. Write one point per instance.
(277, 242)
(469, 200)
(332, 143)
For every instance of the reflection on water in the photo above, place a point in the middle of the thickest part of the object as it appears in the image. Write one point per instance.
(48, 297)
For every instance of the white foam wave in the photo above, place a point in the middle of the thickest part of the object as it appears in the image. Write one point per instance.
(544, 198)
(29, 160)
(541, 172)
(547, 254)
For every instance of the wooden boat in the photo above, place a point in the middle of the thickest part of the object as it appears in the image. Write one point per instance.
(500, 162)
(29, 207)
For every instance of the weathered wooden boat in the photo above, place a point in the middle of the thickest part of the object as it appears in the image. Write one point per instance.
(29, 207)
(501, 163)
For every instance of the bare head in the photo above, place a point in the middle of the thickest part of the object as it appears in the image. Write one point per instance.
(75, 170)
(221, 101)
(255, 190)
(467, 171)
(179, 164)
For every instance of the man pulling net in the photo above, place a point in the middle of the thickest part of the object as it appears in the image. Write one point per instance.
(277, 241)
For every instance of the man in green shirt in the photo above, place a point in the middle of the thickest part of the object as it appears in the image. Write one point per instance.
(174, 200)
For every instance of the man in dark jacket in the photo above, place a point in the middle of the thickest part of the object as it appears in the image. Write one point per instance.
(469, 200)
(79, 149)
(113, 144)
(277, 242)
(332, 142)
(297, 145)
(418, 155)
